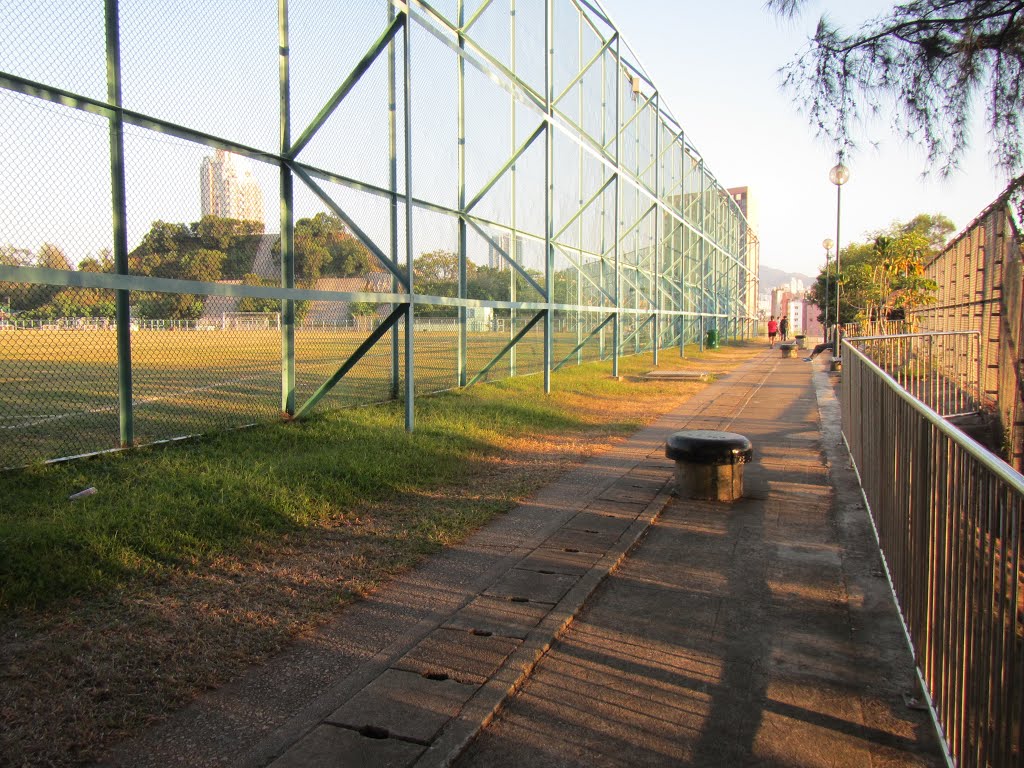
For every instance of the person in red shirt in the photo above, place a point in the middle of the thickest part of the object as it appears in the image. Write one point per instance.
(773, 330)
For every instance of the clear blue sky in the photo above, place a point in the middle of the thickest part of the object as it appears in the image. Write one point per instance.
(716, 64)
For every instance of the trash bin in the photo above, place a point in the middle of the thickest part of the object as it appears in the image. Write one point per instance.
(711, 342)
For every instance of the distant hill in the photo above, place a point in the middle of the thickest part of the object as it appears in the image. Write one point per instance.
(771, 277)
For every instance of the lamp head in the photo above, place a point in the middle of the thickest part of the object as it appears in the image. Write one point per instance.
(839, 174)
(827, 243)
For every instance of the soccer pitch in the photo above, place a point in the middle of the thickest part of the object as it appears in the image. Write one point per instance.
(58, 388)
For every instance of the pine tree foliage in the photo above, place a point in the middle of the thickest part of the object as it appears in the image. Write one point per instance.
(929, 64)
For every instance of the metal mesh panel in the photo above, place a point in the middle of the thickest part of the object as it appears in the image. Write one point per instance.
(207, 215)
(196, 375)
(436, 350)
(182, 62)
(56, 181)
(58, 382)
(321, 348)
(57, 42)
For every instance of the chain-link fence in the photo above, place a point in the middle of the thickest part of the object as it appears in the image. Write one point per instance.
(215, 213)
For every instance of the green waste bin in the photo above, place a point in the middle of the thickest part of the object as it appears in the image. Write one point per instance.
(711, 342)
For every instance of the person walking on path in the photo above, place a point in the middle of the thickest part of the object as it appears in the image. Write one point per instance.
(773, 329)
(783, 328)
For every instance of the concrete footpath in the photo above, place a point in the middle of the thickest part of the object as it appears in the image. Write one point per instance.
(607, 623)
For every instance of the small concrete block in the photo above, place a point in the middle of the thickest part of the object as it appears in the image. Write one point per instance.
(836, 364)
(328, 746)
(533, 585)
(787, 349)
(499, 616)
(405, 704)
(460, 655)
(584, 540)
(574, 563)
(599, 523)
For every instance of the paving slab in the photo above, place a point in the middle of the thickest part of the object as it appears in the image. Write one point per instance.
(404, 705)
(464, 656)
(573, 563)
(330, 746)
(499, 616)
(535, 586)
(578, 540)
(600, 522)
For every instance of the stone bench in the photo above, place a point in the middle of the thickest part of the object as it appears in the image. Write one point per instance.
(836, 364)
(787, 349)
(709, 464)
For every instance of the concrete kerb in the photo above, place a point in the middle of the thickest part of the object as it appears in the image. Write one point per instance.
(485, 704)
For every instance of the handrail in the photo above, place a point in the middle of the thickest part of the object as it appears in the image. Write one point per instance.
(998, 467)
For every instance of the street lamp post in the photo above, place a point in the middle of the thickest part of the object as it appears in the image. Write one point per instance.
(839, 175)
(827, 245)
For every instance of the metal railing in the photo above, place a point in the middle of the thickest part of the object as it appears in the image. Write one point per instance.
(942, 370)
(948, 516)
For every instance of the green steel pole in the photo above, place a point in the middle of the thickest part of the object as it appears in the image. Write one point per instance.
(657, 225)
(287, 220)
(702, 250)
(604, 223)
(118, 195)
(579, 239)
(617, 326)
(396, 375)
(463, 340)
(683, 236)
(513, 314)
(548, 190)
(410, 315)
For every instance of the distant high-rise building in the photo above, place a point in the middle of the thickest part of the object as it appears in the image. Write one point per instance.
(494, 258)
(229, 189)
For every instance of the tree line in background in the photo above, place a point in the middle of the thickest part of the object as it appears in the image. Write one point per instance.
(218, 249)
(883, 277)
(210, 250)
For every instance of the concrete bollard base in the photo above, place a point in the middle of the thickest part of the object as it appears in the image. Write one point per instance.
(709, 463)
(710, 482)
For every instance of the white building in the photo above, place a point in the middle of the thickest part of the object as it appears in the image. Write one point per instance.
(228, 188)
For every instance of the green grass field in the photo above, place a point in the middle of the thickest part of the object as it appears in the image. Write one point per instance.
(58, 388)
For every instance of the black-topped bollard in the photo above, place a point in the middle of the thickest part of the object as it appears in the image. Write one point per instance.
(709, 464)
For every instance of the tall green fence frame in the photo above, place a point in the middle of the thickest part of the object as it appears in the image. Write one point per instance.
(648, 294)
